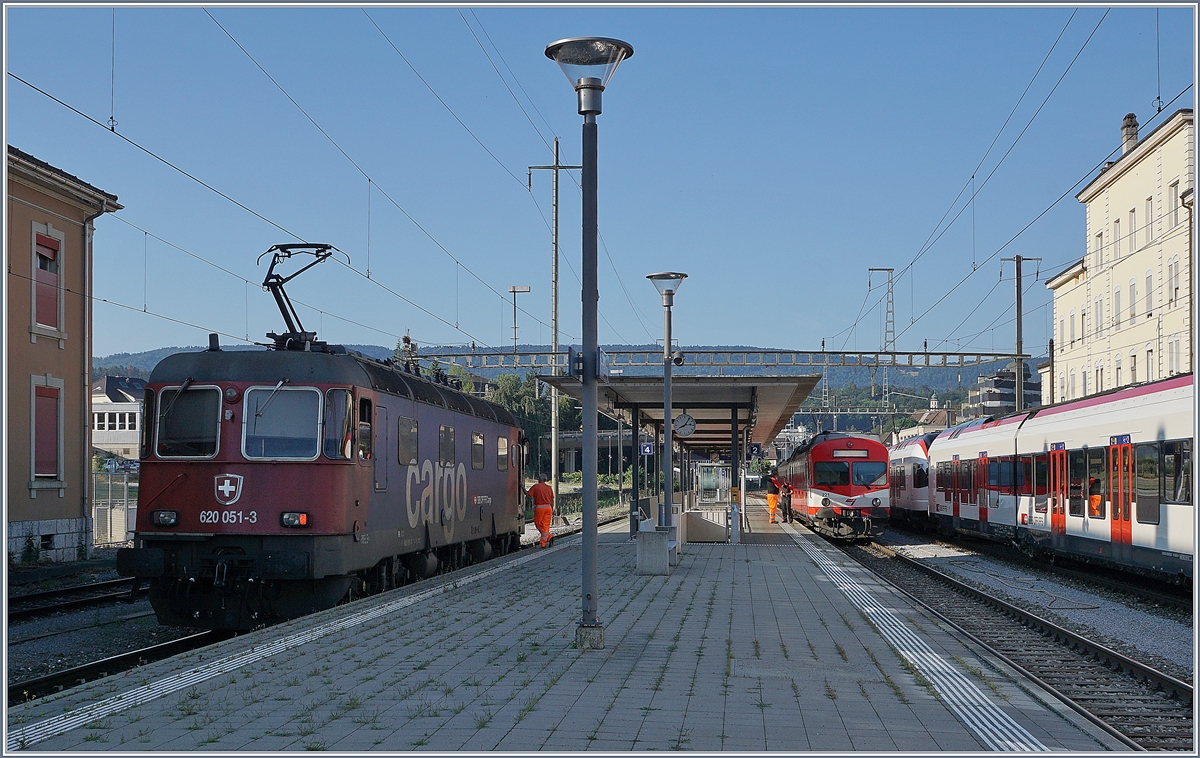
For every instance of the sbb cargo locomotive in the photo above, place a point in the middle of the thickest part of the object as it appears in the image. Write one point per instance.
(839, 485)
(275, 482)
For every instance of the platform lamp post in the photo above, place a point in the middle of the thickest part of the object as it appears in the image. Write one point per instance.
(667, 283)
(589, 63)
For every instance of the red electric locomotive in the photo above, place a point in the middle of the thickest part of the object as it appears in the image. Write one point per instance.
(839, 485)
(275, 482)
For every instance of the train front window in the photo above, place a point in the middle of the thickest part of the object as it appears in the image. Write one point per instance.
(831, 474)
(339, 425)
(281, 422)
(188, 422)
(869, 473)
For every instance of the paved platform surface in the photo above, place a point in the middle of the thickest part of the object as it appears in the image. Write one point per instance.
(779, 644)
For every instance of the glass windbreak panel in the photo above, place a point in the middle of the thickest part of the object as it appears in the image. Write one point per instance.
(281, 423)
(1077, 472)
(502, 453)
(339, 425)
(188, 423)
(1177, 471)
(1146, 481)
(477, 451)
(406, 441)
(1097, 476)
(831, 474)
(869, 473)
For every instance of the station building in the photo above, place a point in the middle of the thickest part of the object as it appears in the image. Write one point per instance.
(49, 449)
(1122, 313)
(117, 414)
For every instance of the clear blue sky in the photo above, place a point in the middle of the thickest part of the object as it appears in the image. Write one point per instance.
(773, 154)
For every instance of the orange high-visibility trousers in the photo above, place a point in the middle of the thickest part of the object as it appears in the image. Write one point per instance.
(772, 505)
(542, 516)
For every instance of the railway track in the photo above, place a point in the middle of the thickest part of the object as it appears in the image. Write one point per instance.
(71, 598)
(1148, 590)
(31, 689)
(1146, 708)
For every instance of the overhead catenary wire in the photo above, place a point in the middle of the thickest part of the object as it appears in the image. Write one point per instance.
(363, 171)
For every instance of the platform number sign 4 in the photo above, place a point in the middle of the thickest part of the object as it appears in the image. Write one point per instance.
(647, 448)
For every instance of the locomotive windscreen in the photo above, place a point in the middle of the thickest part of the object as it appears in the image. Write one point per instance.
(188, 422)
(282, 423)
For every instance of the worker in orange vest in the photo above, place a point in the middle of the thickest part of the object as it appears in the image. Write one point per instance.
(543, 508)
(772, 496)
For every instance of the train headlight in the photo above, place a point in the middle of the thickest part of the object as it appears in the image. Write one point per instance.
(876, 502)
(824, 501)
(164, 518)
(294, 520)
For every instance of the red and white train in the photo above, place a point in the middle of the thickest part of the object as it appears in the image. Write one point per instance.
(839, 485)
(1104, 479)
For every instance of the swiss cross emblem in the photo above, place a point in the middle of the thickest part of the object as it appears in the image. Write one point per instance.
(227, 488)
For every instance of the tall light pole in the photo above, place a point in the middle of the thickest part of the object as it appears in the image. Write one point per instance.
(514, 289)
(589, 63)
(667, 283)
(554, 476)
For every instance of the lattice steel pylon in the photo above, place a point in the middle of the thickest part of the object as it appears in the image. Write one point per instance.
(889, 327)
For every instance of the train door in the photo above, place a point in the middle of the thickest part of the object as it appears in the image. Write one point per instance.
(955, 487)
(983, 494)
(1120, 487)
(1058, 492)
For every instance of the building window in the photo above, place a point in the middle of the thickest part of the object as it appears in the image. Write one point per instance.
(1098, 248)
(1099, 377)
(1062, 332)
(1072, 393)
(1116, 239)
(1117, 307)
(1132, 299)
(1132, 230)
(1098, 315)
(1133, 366)
(1149, 364)
(1173, 279)
(1083, 381)
(45, 432)
(1062, 387)
(1072, 327)
(1149, 219)
(1116, 372)
(1173, 205)
(47, 289)
(1149, 294)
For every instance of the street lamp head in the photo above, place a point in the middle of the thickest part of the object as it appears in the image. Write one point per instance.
(589, 63)
(518, 288)
(667, 281)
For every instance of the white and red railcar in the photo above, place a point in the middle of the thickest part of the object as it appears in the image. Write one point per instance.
(908, 479)
(839, 485)
(1105, 479)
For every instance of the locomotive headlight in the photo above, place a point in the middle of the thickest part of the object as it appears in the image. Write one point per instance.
(164, 518)
(294, 520)
(876, 502)
(824, 501)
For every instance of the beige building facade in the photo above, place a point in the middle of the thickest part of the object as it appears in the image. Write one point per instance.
(1123, 313)
(49, 348)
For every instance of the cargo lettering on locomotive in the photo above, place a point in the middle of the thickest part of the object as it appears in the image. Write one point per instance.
(435, 494)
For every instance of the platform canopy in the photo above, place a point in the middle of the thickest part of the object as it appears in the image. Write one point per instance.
(764, 405)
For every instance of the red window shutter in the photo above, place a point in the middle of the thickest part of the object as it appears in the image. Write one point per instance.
(45, 434)
(46, 292)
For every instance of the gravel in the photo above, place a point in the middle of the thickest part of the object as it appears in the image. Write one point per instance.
(1159, 636)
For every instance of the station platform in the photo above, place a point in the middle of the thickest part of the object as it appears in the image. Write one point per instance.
(775, 644)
